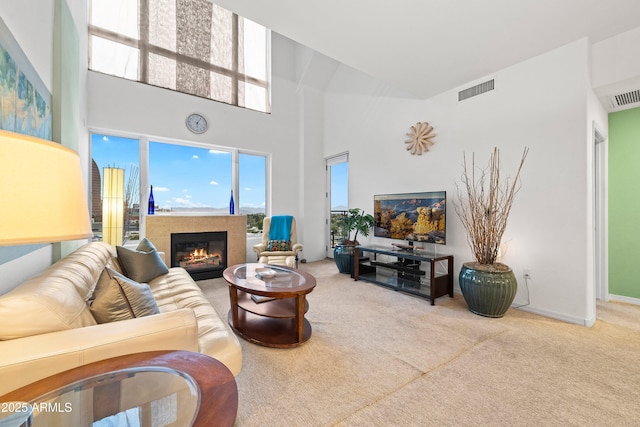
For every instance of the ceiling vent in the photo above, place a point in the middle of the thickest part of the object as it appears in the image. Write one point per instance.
(624, 100)
(476, 90)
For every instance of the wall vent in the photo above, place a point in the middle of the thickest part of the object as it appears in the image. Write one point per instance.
(624, 99)
(476, 90)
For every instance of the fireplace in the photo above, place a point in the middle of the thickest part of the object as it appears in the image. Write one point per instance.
(203, 255)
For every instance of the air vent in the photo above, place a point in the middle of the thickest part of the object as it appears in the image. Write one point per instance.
(476, 90)
(624, 99)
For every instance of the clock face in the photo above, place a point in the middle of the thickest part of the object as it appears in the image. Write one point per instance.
(197, 123)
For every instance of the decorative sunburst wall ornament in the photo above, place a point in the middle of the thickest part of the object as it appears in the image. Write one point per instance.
(420, 138)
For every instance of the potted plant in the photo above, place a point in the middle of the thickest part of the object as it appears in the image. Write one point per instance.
(360, 222)
(484, 204)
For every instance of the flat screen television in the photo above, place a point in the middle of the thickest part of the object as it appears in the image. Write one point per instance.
(415, 217)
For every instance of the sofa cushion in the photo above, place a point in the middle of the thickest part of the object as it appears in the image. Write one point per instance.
(177, 290)
(119, 298)
(143, 264)
(46, 303)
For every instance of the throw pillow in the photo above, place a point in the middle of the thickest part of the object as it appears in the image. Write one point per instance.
(143, 264)
(278, 245)
(119, 298)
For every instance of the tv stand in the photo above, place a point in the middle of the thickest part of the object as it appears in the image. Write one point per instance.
(408, 247)
(400, 270)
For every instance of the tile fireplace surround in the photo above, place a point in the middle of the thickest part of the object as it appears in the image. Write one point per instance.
(160, 227)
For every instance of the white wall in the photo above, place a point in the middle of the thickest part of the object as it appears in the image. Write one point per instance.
(31, 23)
(312, 174)
(539, 103)
(124, 106)
(615, 59)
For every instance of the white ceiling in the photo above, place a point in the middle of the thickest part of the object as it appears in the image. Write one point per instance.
(429, 46)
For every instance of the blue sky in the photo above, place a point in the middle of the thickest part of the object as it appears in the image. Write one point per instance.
(186, 176)
(339, 186)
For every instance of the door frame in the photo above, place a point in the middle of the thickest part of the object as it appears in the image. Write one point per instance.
(600, 213)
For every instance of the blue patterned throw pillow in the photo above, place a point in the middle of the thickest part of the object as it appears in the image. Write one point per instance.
(278, 245)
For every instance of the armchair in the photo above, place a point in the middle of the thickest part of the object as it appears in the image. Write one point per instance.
(275, 247)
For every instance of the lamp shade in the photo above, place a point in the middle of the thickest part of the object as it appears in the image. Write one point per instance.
(42, 198)
(112, 205)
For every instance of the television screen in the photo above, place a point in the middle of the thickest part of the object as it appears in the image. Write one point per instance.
(417, 217)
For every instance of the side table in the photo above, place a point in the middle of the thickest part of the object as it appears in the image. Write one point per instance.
(158, 387)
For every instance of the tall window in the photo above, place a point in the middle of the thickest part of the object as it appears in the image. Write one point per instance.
(252, 190)
(191, 46)
(338, 186)
(123, 153)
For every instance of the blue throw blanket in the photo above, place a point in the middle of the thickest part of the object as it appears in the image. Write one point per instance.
(280, 228)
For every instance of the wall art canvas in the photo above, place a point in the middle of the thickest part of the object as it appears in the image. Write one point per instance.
(25, 102)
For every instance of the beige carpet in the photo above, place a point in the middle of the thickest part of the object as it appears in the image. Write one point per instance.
(383, 358)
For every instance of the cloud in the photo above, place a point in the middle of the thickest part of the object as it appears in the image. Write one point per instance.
(214, 183)
(105, 138)
(212, 151)
(163, 189)
(247, 189)
(180, 202)
(195, 156)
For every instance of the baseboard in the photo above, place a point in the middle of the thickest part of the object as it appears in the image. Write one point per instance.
(559, 316)
(622, 298)
(547, 313)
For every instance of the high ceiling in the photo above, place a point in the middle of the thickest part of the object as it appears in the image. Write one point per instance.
(428, 46)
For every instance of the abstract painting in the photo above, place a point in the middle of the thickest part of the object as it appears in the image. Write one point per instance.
(25, 102)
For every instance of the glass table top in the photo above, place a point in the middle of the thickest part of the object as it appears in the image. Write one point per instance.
(149, 396)
(252, 275)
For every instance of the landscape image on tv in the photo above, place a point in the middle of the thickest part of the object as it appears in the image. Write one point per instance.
(418, 217)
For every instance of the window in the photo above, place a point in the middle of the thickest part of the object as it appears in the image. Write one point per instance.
(186, 179)
(123, 153)
(338, 185)
(190, 179)
(252, 197)
(190, 46)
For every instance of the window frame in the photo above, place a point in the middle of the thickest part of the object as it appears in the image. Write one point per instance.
(143, 156)
(146, 48)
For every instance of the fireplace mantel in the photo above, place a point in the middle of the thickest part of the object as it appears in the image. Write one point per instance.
(160, 227)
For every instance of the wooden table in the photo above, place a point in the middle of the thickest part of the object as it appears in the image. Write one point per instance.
(279, 321)
(203, 390)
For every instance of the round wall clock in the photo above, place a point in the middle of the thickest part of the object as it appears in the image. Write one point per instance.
(197, 123)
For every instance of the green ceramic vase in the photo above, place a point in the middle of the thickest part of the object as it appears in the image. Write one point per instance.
(343, 257)
(488, 290)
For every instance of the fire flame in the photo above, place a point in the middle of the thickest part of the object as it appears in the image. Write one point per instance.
(198, 253)
(202, 254)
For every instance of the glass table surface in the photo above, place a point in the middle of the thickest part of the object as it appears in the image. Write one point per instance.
(249, 275)
(142, 396)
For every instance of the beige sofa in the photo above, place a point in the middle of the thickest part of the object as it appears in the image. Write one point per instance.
(46, 325)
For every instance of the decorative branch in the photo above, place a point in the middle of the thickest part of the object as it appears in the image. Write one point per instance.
(484, 205)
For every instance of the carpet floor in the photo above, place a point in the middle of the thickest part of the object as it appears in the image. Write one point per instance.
(383, 358)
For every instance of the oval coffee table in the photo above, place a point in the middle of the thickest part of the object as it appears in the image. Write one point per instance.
(269, 310)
